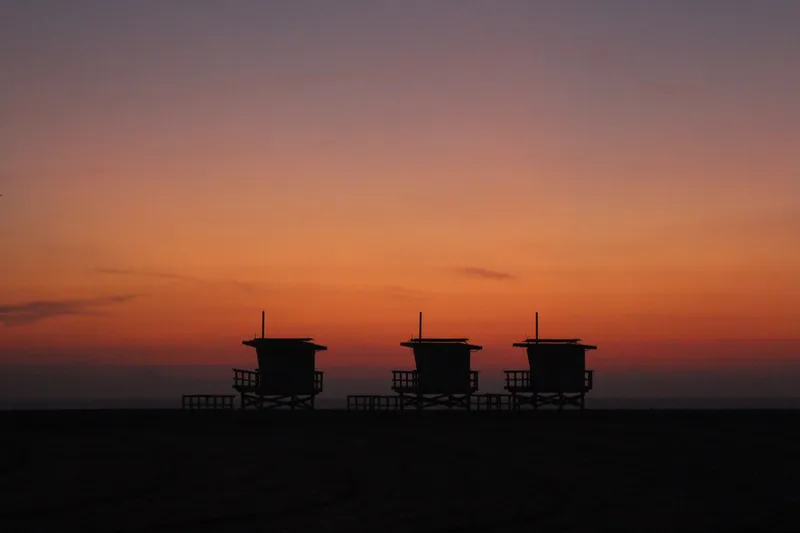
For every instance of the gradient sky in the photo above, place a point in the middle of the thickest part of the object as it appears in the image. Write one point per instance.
(628, 169)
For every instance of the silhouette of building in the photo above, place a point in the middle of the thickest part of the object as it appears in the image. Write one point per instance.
(442, 376)
(557, 373)
(286, 375)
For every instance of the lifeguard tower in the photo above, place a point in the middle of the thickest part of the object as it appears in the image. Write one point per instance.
(442, 378)
(286, 375)
(557, 374)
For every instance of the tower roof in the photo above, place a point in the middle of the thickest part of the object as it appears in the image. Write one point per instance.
(432, 341)
(284, 342)
(533, 342)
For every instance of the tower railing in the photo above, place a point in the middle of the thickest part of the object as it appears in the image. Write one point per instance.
(246, 378)
(405, 380)
(520, 380)
(252, 379)
(408, 380)
(317, 381)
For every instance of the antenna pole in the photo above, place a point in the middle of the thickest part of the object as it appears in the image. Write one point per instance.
(262, 324)
(420, 326)
(537, 327)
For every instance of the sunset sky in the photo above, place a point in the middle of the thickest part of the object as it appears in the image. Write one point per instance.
(630, 170)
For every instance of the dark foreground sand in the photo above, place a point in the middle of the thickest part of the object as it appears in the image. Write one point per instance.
(333, 471)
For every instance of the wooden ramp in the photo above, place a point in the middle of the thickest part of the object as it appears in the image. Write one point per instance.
(206, 402)
(400, 402)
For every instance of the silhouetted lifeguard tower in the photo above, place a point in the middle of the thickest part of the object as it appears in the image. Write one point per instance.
(442, 377)
(557, 374)
(286, 375)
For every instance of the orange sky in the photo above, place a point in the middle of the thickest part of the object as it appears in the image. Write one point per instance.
(167, 175)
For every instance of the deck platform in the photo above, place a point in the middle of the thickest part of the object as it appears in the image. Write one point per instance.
(524, 393)
(414, 395)
(248, 384)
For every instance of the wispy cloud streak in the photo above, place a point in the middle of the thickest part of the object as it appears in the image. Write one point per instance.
(155, 274)
(34, 311)
(483, 273)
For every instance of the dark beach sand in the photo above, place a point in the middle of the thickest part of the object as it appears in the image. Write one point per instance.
(156, 471)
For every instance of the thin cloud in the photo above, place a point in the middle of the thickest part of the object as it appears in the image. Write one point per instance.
(34, 311)
(146, 273)
(404, 293)
(154, 274)
(483, 273)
